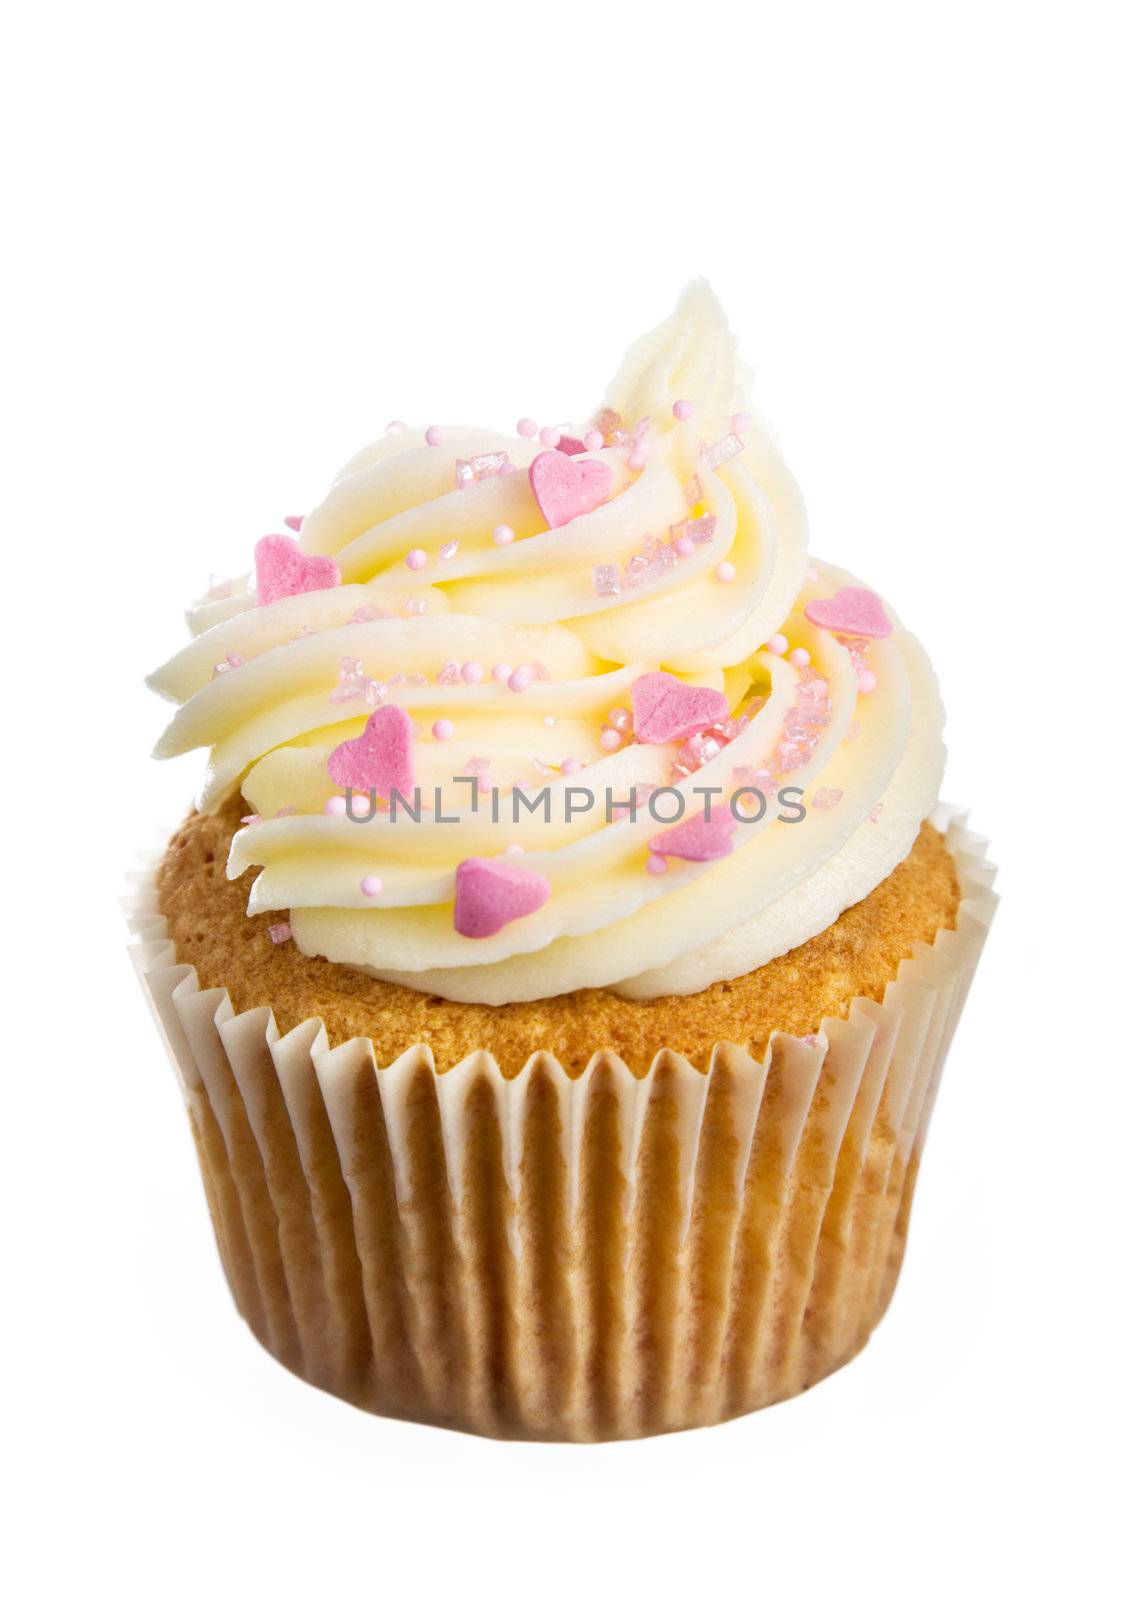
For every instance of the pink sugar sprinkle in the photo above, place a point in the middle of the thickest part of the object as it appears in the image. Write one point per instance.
(417, 560)
(611, 739)
(335, 806)
(619, 717)
(875, 814)
(725, 572)
(502, 534)
(866, 681)
(513, 849)
(605, 579)
(722, 451)
(856, 648)
(550, 437)
(449, 673)
(252, 818)
(656, 865)
(778, 645)
(527, 428)
(754, 778)
(434, 435)
(520, 680)
(691, 532)
(443, 729)
(355, 684)
(415, 606)
(653, 561)
(826, 799)
(228, 664)
(286, 811)
(279, 932)
(593, 439)
(447, 551)
(569, 766)
(799, 657)
(488, 464)
(484, 783)
(371, 885)
(739, 422)
(395, 427)
(642, 796)
(472, 672)
(637, 460)
(501, 672)
(683, 409)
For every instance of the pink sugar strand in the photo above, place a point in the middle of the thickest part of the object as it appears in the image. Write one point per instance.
(723, 450)
(487, 464)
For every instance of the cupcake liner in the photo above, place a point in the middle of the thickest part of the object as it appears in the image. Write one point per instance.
(553, 1257)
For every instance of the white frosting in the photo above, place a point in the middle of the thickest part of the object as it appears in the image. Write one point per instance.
(270, 723)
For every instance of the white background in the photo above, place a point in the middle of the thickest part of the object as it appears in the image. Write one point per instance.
(240, 239)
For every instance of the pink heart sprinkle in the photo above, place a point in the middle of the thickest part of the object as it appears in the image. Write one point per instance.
(281, 568)
(490, 894)
(381, 759)
(856, 611)
(294, 523)
(571, 446)
(698, 839)
(566, 487)
(666, 709)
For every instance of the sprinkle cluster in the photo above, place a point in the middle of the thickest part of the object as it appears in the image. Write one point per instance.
(488, 464)
(655, 559)
(353, 683)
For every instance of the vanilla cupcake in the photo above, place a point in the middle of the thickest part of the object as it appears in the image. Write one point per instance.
(562, 955)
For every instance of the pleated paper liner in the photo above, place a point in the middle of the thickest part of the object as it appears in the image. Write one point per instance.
(548, 1257)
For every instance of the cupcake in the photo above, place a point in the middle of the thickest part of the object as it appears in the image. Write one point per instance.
(560, 959)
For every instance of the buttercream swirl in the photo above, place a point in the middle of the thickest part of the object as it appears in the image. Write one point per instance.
(690, 566)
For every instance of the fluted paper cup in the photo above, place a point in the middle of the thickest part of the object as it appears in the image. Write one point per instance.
(545, 1256)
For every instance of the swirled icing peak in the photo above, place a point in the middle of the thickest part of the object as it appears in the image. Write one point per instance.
(517, 714)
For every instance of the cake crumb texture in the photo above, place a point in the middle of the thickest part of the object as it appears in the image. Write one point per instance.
(858, 955)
